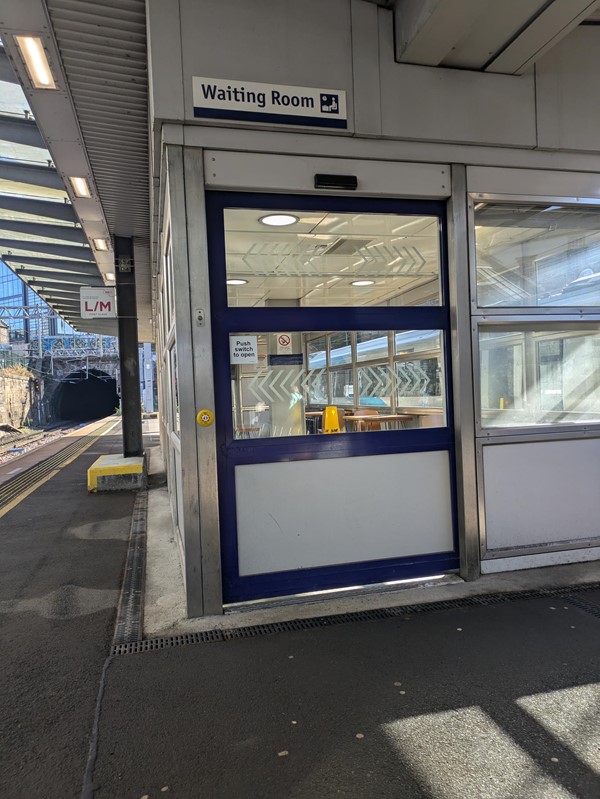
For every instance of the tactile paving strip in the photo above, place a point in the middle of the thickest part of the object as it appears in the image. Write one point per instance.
(13, 488)
(208, 636)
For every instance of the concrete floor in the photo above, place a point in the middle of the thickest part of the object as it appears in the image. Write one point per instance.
(61, 559)
(478, 702)
(498, 702)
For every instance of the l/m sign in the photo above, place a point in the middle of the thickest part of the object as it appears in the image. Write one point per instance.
(97, 303)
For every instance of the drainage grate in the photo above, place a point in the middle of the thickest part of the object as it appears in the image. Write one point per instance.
(130, 615)
(208, 636)
(585, 604)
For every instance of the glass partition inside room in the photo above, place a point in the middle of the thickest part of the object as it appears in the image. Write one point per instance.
(375, 380)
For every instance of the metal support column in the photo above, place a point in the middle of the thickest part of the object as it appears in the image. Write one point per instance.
(131, 408)
(462, 364)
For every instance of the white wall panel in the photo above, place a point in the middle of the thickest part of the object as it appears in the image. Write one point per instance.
(573, 186)
(280, 173)
(164, 60)
(568, 92)
(365, 68)
(274, 41)
(341, 510)
(452, 105)
(541, 492)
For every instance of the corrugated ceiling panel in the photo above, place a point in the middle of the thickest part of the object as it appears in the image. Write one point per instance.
(103, 49)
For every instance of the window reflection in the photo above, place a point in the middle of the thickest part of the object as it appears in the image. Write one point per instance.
(539, 377)
(537, 255)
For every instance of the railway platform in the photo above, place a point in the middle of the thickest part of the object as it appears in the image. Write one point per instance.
(482, 697)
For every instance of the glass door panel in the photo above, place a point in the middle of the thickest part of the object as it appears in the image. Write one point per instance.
(330, 331)
(315, 259)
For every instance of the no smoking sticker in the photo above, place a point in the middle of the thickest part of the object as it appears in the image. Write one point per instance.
(284, 343)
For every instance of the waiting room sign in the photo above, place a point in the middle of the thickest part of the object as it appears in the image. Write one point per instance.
(217, 98)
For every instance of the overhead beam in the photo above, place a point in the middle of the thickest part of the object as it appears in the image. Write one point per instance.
(46, 231)
(30, 273)
(67, 294)
(75, 280)
(552, 24)
(63, 250)
(20, 131)
(32, 174)
(56, 277)
(55, 264)
(7, 73)
(497, 25)
(64, 302)
(507, 37)
(67, 289)
(34, 207)
(427, 30)
(60, 282)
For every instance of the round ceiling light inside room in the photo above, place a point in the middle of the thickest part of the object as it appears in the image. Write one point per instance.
(278, 220)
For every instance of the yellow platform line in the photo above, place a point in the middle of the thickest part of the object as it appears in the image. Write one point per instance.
(27, 491)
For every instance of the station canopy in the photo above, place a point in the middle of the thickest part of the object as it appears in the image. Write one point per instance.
(74, 154)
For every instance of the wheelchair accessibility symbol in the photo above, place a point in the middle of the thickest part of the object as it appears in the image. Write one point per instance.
(205, 417)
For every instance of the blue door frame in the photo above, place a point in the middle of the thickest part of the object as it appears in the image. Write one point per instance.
(231, 452)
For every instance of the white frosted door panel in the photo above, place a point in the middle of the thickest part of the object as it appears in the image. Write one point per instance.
(541, 492)
(302, 514)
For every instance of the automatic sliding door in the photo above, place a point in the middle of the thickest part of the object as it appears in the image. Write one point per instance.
(331, 354)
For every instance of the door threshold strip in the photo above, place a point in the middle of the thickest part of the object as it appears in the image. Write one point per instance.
(311, 597)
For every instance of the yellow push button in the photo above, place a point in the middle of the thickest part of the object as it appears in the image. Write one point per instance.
(205, 417)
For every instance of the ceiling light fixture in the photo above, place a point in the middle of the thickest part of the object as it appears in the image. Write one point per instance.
(278, 220)
(80, 187)
(33, 54)
(363, 282)
(234, 281)
(100, 244)
(110, 276)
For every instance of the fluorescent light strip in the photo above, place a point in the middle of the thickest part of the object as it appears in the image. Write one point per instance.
(100, 244)
(36, 62)
(80, 187)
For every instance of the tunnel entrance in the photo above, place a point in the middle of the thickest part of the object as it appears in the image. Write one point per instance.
(84, 395)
